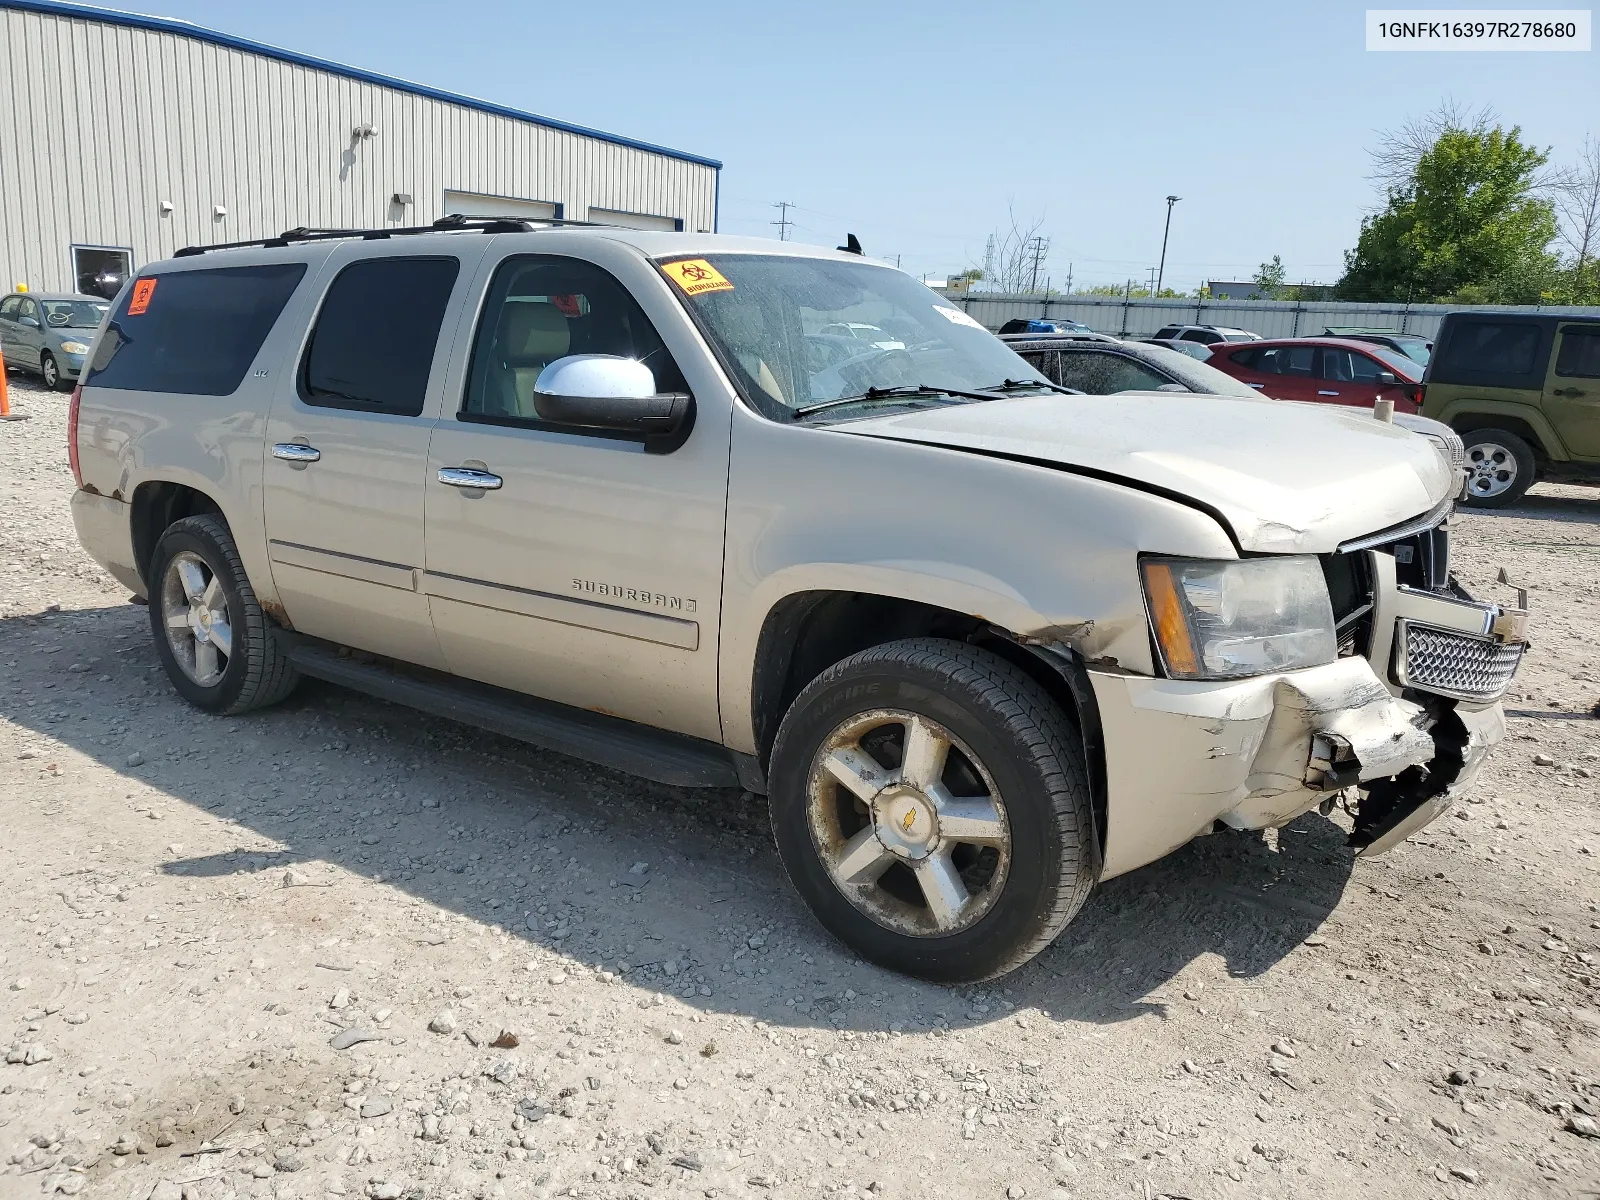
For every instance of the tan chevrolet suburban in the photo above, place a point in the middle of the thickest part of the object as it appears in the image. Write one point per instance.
(982, 640)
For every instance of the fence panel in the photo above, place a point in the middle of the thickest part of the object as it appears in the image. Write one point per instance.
(1269, 318)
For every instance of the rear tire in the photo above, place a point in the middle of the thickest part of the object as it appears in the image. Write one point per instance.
(1501, 467)
(931, 806)
(215, 642)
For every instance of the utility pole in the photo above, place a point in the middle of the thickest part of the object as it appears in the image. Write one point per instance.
(783, 222)
(1069, 279)
(1036, 250)
(1162, 270)
(1152, 283)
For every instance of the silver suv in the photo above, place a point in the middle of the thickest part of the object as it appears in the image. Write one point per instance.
(983, 641)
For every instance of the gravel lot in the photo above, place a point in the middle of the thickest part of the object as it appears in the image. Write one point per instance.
(341, 949)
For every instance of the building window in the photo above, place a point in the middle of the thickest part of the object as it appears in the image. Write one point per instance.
(101, 270)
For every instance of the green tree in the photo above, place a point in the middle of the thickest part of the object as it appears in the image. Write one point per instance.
(1269, 279)
(1468, 227)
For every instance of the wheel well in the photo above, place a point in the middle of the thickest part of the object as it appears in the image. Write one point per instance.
(807, 633)
(155, 507)
(1468, 422)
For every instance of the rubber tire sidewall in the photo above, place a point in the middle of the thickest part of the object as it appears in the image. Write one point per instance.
(200, 536)
(1016, 927)
(1527, 466)
(44, 372)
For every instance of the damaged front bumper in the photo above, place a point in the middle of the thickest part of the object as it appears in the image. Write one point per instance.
(1255, 753)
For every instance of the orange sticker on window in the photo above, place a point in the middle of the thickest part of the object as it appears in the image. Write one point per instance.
(695, 276)
(143, 289)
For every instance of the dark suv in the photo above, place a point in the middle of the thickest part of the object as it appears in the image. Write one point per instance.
(1523, 390)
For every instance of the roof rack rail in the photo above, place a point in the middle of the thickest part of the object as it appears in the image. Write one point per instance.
(454, 222)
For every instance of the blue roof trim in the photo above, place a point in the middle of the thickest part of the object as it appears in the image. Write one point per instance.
(112, 16)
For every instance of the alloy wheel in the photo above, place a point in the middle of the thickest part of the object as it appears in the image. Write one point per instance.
(1491, 470)
(194, 610)
(908, 823)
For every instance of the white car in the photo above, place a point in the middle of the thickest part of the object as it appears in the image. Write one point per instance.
(982, 641)
(1206, 335)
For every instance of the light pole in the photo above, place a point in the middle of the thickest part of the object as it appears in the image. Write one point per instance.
(1162, 269)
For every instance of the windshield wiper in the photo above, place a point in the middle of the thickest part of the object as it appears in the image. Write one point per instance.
(888, 393)
(1018, 385)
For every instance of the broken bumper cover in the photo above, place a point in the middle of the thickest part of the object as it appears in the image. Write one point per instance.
(1255, 753)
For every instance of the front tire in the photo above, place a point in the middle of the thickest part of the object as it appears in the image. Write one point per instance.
(931, 806)
(50, 371)
(1500, 468)
(214, 641)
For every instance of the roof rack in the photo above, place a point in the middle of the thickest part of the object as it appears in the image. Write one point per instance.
(453, 223)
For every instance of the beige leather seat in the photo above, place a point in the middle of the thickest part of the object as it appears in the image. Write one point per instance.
(531, 336)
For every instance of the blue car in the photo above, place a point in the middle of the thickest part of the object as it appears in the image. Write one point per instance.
(49, 334)
(1039, 325)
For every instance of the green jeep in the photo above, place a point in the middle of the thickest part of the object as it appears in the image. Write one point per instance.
(1523, 391)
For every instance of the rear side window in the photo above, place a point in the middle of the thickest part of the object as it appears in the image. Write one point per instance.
(372, 348)
(1106, 374)
(1244, 358)
(1287, 360)
(1580, 352)
(1492, 348)
(194, 333)
(1167, 331)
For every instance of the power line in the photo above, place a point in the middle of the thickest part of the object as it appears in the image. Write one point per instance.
(783, 222)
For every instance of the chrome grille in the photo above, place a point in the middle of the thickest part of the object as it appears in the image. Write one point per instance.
(1454, 664)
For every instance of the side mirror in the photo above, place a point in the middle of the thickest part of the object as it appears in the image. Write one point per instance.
(1387, 379)
(606, 391)
(30, 322)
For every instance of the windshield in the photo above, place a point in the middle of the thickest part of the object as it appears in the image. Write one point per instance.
(797, 332)
(1402, 365)
(73, 314)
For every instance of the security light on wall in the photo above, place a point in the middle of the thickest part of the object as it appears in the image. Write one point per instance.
(166, 208)
(219, 211)
(401, 198)
(362, 132)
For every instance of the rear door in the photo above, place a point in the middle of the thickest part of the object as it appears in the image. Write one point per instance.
(348, 445)
(590, 572)
(1572, 391)
(10, 310)
(1281, 372)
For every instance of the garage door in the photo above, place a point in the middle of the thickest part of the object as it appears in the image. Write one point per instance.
(480, 204)
(633, 220)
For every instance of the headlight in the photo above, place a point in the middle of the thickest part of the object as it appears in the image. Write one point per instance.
(74, 348)
(1225, 620)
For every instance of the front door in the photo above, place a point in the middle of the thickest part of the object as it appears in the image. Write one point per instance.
(1572, 390)
(589, 571)
(27, 335)
(347, 446)
(1353, 377)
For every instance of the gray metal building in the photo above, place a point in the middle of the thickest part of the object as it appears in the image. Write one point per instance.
(124, 137)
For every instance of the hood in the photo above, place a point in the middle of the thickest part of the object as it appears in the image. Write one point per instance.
(1287, 478)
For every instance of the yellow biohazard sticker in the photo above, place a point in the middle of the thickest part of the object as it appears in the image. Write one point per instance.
(696, 276)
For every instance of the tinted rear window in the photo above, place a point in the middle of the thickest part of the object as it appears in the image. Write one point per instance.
(373, 345)
(1491, 348)
(1580, 352)
(192, 332)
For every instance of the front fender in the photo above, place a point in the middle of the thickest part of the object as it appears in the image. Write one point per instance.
(1043, 554)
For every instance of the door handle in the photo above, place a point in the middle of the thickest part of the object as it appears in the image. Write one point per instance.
(1326, 392)
(468, 477)
(296, 452)
(1569, 392)
(1256, 385)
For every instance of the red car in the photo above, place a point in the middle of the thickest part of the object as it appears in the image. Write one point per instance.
(1327, 370)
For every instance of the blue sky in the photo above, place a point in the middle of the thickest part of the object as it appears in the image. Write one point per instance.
(916, 126)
